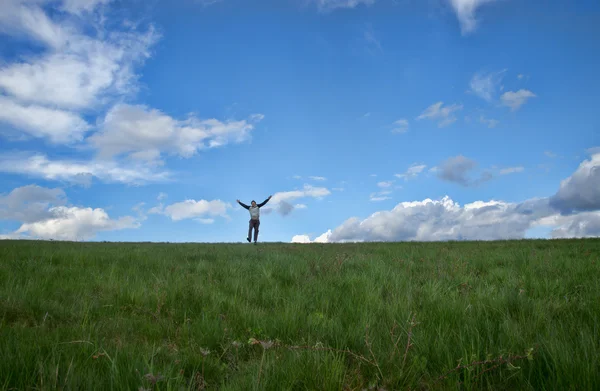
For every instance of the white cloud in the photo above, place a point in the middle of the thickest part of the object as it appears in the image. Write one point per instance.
(581, 190)
(385, 184)
(444, 115)
(79, 74)
(59, 126)
(511, 170)
(377, 197)
(301, 239)
(485, 85)
(30, 203)
(44, 213)
(515, 100)
(412, 172)
(491, 123)
(324, 238)
(201, 210)
(80, 172)
(400, 126)
(75, 223)
(143, 133)
(574, 211)
(550, 154)
(317, 178)
(79, 71)
(444, 219)
(465, 11)
(338, 189)
(330, 5)
(161, 196)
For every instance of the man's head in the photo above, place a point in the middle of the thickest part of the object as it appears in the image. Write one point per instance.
(253, 203)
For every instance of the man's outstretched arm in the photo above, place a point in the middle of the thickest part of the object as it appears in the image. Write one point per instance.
(243, 205)
(264, 202)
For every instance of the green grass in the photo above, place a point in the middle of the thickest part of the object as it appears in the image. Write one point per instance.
(458, 315)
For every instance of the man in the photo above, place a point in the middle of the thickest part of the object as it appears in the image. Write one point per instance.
(254, 210)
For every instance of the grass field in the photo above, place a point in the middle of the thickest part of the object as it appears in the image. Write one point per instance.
(458, 315)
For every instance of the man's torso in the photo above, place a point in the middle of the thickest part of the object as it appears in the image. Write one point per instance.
(254, 212)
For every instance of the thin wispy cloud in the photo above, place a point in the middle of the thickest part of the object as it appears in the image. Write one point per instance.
(443, 115)
(515, 100)
(466, 12)
(486, 84)
(400, 126)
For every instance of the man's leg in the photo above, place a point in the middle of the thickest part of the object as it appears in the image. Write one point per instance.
(249, 231)
(256, 225)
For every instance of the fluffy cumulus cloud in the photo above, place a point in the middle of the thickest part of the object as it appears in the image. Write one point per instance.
(142, 133)
(466, 12)
(73, 88)
(75, 223)
(324, 238)
(574, 211)
(29, 203)
(580, 191)
(45, 94)
(444, 115)
(44, 214)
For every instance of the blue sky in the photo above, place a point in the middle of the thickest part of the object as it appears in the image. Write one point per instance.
(366, 119)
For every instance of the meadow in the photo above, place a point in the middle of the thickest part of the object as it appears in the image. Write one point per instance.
(504, 315)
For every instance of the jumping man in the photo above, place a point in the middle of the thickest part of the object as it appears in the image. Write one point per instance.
(254, 210)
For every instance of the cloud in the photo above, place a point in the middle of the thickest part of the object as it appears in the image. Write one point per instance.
(574, 211)
(330, 5)
(318, 178)
(456, 170)
(515, 100)
(412, 172)
(141, 133)
(75, 223)
(206, 3)
(444, 115)
(491, 123)
(44, 213)
(373, 44)
(385, 184)
(511, 170)
(80, 172)
(582, 225)
(444, 219)
(580, 191)
(485, 85)
(59, 126)
(282, 202)
(192, 209)
(324, 238)
(378, 197)
(400, 126)
(29, 203)
(77, 71)
(161, 196)
(465, 11)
